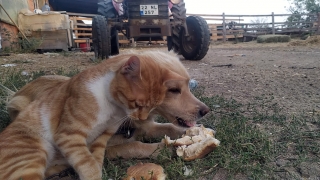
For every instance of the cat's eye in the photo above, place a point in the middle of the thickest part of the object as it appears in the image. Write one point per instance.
(175, 90)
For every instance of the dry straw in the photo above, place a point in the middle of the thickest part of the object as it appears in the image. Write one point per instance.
(311, 40)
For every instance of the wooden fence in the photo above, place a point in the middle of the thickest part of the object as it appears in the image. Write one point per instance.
(225, 27)
(222, 26)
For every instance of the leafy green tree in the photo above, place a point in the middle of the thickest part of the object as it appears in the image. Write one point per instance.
(299, 7)
(304, 6)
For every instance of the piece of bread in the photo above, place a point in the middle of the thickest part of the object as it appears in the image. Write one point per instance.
(197, 150)
(195, 144)
(147, 171)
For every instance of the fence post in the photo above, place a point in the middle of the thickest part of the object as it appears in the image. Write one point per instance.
(224, 27)
(273, 30)
(318, 27)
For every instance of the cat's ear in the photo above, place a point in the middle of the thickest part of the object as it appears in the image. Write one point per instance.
(131, 69)
(132, 72)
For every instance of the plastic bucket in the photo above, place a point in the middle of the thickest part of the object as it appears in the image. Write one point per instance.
(84, 47)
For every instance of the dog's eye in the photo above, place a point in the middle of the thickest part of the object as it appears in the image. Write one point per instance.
(175, 90)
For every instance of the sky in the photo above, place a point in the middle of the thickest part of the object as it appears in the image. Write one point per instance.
(238, 7)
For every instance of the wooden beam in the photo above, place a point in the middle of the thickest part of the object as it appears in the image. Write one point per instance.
(227, 37)
(83, 29)
(83, 18)
(81, 14)
(82, 24)
(124, 41)
(220, 19)
(83, 34)
(82, 41)
(224, 27)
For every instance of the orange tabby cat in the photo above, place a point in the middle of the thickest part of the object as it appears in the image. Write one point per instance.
(74, 118)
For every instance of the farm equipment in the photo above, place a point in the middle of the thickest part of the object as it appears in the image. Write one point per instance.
(147, 20)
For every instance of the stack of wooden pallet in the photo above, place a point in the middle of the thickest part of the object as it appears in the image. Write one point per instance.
(217, 32)
(82, 29)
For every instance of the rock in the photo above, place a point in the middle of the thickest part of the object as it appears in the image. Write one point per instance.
(309, 170)
(281, 162)
(292, 173)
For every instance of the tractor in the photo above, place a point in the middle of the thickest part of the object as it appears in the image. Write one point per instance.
(149, 20)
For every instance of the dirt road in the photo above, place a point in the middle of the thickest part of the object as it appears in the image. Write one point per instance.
(242, 71)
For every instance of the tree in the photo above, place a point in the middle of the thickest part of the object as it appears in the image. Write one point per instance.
(260, 23)
(304, 6)
(299, 7)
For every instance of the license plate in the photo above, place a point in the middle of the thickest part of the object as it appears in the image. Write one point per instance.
(149, 10)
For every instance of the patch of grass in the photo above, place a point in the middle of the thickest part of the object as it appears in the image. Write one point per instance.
(244, 149)
(29, 46)
(21, 61)
(4, 116)
(253, 137)
(20, 45)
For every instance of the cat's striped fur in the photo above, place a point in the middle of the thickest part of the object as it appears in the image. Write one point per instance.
(72, 119)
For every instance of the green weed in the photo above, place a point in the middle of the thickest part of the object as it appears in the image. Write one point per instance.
(253, 137)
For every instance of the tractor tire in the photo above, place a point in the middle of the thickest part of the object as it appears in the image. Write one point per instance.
(100, 37)
(114, 41)
(179, 15)
(196, 45)
(169, 43)
(106, 9)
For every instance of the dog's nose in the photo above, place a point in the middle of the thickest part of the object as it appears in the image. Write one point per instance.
(203, 111)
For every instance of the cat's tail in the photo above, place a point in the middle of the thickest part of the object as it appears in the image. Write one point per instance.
(15, 104)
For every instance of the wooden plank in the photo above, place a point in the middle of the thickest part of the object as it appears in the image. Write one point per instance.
(82, 24)
(81, 14)
(83, 29)
(192, 14)
(83, 18)
(220, 19)
(124, 41)
(152, 42)
(257, 15)
(82, 41)
(52, 39)
(227, 37)
(83, 34)
(284, 23)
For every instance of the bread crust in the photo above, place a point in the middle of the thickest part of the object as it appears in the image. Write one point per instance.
(196, 143)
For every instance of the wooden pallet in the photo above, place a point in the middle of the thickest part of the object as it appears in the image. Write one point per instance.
(83, 31)
(217, 32)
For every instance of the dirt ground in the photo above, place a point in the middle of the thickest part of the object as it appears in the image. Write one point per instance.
(291, 74)
(243, 71)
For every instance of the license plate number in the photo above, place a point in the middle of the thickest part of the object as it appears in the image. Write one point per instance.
(149, 10)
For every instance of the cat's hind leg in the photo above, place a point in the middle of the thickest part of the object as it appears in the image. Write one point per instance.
(23, 154)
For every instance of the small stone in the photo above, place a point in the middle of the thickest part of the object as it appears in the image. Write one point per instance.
(308, 170)
(281, 162)
(193, 84)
